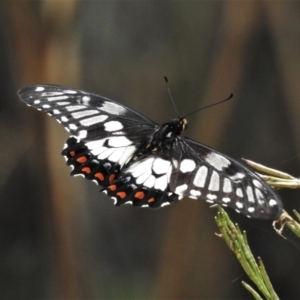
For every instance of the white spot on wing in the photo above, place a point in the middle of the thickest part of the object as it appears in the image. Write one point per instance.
(175, 163)
(195, 193)
(272, 202)
(237, 176)
(239, 192)
(160, 166)
(79, 174)
(113, 126)
(226, 199)
(36, 102)
(63, 103)
(187, 165)
(138, 168)
(82, 134)
(46, 106)
(127, 155)
(39, 89)
(116, 155)
(93, 120)
(106, 153)
(150, 182)
(161, 183)
(112, 108)
(95, 144)
(98, 151)
(73, 126)
(142, 178)
(74, 107)
(200, 177)
(180, 189)
(239, 205)
(251, 209)
(257, 183)
(70, 92)
(227, 185)
(50, 94)
(114, 199)
(119, 141)
(211, 196)
(57, 98)
(84, 113)
(56, 111)
(214, 183)
(86, 100)
(259, 196)
(250, 195)
(64, 119)
(217, 161)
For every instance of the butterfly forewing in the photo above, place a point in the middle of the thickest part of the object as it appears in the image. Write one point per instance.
(137, 161)
(86, 115)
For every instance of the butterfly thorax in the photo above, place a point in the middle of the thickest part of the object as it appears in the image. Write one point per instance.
(166, 134)
(162, 139)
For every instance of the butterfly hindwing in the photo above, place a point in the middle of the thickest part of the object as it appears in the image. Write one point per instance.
(203, 173)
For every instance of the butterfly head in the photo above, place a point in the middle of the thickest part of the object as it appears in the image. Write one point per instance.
(168, 131)
(183, 123)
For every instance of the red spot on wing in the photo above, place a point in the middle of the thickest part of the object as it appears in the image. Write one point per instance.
(121, 194)
(86, 170)
(81, 159)
(112, 187)
(140, 195)
(112, 178)
(151, 200)
(72, 153)
(99, 175)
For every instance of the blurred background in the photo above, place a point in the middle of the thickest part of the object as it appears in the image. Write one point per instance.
(62, 239)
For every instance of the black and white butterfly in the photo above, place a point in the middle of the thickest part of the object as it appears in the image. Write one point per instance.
(135, 160)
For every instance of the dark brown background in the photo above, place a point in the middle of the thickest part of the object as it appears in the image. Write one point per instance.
(62, 239)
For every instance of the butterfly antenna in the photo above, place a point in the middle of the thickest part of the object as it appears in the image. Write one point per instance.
(231, 95)
(167, 82)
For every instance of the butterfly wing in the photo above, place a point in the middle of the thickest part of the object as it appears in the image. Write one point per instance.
(105, 134)
(85, 115)
(203, 173)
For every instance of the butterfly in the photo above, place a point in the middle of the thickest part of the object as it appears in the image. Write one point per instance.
(135, 160)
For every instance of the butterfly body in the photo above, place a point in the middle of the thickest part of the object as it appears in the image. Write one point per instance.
(135, 160)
